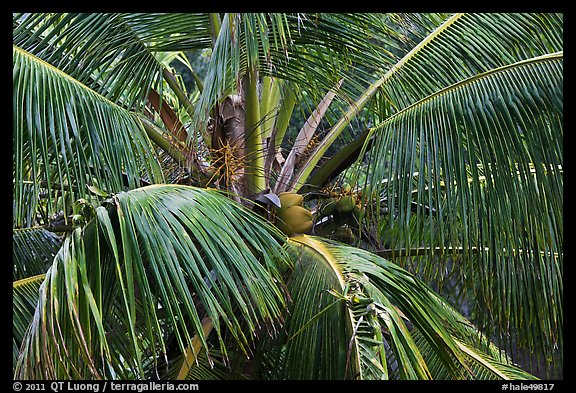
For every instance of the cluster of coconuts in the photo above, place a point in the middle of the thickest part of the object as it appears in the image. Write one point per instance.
(292, 217)
(347, 202)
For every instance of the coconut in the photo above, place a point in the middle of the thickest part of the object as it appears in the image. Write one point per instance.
(346, 204)
(289, 199)
(293, 220)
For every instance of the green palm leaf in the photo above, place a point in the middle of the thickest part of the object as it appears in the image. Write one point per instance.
(159, 256)
(167, 32)
(87, 47)
(33, 250)
(467, 45)
(24, 299)
(469, 164)
(212, 367)
(66, 137)
(390, 325)
(317, 327)
(110, 53)
(223, 69)
(451, 53)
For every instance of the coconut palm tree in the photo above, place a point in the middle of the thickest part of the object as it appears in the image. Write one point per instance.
(340, 196)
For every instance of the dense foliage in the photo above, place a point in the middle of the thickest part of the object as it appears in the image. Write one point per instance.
(287, 196)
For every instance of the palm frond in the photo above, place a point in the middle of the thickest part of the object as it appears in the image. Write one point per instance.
(485, 362)
(66, 137)
(33, 250)
(113, 54)
(98, 49)
(24, 299)
(158, 256)
(467, 45)
(451, 53)
(471, 163)
(223, 69)
(385, 299)
(207, 367)
(313, 343)
(167, 32)
(354, 315)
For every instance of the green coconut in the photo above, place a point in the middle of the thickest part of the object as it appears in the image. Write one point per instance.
(346, 204)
